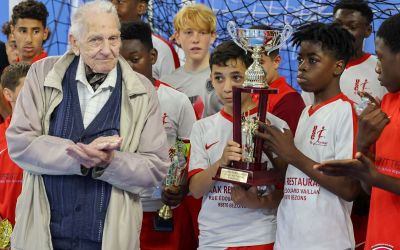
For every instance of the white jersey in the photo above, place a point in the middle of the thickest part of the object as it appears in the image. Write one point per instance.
(197, 87)
(167, 60)
(178, 119)
(222, 223)
(309, 216)
(359, 75)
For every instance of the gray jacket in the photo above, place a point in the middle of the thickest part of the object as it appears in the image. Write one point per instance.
(142, 161)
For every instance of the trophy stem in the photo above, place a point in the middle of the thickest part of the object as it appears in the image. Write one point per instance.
(165, 212)
(255, 74)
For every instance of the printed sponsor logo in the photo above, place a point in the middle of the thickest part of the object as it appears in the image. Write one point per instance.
(360, 86)
(318, 135)
(164, 118)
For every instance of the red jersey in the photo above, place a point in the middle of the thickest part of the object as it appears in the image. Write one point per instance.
(384, 215)
(10, 178)
(37, 58)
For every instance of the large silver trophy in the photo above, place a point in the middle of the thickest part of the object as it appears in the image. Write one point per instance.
(250, 171)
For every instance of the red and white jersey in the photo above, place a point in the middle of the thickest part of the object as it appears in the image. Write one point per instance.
(359, 75)
(178, 118)
(222, 223)
(309, 216)
(167, 60)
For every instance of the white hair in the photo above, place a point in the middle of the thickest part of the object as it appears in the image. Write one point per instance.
(78, 20)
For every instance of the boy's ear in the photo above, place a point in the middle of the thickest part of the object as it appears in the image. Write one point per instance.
(177, 37)
(368, 31)
(213, 37)
(142, 8)
(339, 68)
(8, 94)
(153, 56)
(74, 44)
(45, 34)
(277, 61)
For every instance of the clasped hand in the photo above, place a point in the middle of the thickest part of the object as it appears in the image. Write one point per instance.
(98, 153)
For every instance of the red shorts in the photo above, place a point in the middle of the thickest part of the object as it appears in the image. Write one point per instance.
(258, 247)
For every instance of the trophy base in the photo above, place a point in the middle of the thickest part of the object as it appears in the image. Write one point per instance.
(243, 173)
(163, 225)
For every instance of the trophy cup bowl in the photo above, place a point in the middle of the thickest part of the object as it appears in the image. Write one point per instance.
(250, 171)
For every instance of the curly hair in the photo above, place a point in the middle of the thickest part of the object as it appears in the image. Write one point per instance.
(332, 38)
(30, 9)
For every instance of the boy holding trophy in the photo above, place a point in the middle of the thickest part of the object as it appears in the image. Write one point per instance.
(231, 217)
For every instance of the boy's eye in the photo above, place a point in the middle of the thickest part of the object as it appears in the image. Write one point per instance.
(312, 60)
(218, 78)
(237, 78)
(134, 59)
(300, 60)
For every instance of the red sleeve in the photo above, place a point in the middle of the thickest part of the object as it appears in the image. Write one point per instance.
(289, 109)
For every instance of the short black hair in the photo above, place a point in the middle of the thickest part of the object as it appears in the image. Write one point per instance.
(12, 74)
(30, 9)
(332, 38)
(6, 29)
(273, 53)
(356, 5)
(229, 50)
(137, 31)
(389, 31)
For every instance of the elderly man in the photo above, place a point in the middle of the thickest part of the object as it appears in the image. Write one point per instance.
(87, 131)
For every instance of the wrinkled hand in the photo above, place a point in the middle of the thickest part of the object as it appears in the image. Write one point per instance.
(281, 143)
(361, 168)
(246, 198)
(99, 153)
(232, 152)
(173, 196)
(371, 123)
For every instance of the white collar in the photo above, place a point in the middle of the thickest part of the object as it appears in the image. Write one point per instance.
(109, 82)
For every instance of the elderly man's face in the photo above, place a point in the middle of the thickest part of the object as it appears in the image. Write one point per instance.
(99, 42)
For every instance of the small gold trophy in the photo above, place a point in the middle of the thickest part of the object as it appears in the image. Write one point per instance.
(5, 233)
(175, 177)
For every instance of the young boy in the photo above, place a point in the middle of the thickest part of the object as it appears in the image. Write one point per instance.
(356, 16)
(195, 29)
(12, 81)
(287, 104)
(230, 216)
(11, 46)
(178, 118)
(315, 211)
(29, 29)
(380, 125)
(167, 60)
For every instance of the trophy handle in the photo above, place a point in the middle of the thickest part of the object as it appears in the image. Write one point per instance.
(231, 27)
(283, 37)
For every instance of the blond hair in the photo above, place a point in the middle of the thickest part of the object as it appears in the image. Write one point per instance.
(197, 17)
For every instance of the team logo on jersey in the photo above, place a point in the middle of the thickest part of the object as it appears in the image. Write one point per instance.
(208, 146)
(164, 118)
(360, 86)
(318, 136)
(382, 247)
